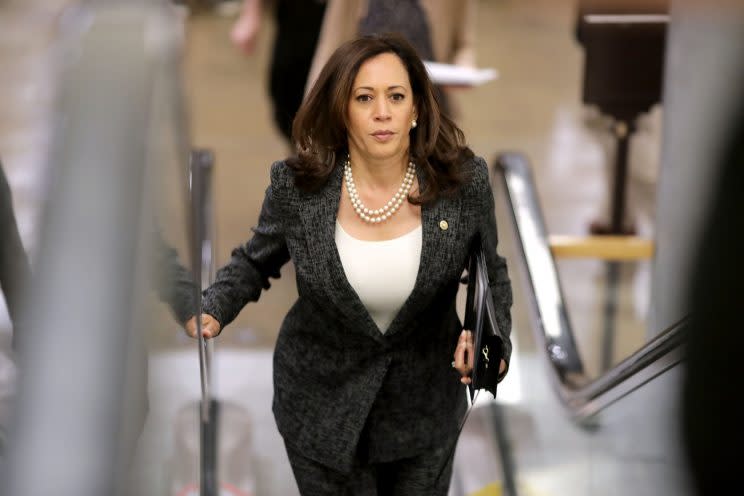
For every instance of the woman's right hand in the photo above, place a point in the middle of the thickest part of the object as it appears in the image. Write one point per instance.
(210, 327)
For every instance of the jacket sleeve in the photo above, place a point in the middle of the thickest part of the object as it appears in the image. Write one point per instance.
(497, 270)
(252, 264)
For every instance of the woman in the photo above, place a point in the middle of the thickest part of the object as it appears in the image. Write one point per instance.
(377, 213)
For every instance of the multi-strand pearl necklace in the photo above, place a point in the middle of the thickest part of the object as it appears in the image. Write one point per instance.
(376, 216)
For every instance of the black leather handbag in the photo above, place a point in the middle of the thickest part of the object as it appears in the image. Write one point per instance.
(480, 318)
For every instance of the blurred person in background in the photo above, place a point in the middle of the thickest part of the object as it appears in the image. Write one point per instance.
(378, 213)
(439, 30)
(226, 8)
(297, 26)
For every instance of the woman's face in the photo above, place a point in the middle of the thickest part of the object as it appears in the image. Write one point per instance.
(380, 109)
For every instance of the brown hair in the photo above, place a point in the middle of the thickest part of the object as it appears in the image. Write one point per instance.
(319, 130)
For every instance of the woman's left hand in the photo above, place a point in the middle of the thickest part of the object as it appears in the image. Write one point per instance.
(464, 357)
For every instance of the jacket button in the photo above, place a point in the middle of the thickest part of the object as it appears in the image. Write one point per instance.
(443, 225)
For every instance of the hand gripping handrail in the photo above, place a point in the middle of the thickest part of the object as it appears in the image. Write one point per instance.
(582, 395)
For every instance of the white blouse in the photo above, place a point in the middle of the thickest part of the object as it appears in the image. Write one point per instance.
(383, 273)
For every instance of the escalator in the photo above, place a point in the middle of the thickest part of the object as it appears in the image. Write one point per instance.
(556, 428)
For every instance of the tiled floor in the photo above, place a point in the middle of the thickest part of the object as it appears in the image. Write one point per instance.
(533, 107)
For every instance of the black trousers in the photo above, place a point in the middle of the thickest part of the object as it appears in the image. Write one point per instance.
(416, 476)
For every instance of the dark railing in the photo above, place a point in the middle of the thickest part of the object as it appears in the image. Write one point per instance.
(583, 396)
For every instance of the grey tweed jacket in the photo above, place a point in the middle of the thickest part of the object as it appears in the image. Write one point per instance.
(342, 388)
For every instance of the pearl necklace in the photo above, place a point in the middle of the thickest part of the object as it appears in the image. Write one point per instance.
(382, 214)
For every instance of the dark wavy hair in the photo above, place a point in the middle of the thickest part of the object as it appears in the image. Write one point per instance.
(319, 131)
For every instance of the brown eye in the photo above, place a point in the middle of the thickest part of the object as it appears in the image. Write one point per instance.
(398, 97)
(364, 98)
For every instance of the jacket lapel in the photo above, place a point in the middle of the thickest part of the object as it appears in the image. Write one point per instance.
(438, 242)
(319, 220)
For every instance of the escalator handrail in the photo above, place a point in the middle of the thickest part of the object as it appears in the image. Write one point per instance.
(202, 229)
(583, 396)
(653, 358)
(200, 169)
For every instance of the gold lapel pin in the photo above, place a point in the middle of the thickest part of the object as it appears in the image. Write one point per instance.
(443, 225)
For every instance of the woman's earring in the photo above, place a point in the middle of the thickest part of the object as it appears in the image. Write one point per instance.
(413, 123)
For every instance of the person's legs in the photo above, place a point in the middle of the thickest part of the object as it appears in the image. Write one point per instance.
(315, 479)
(298, 27)
(417, 476)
